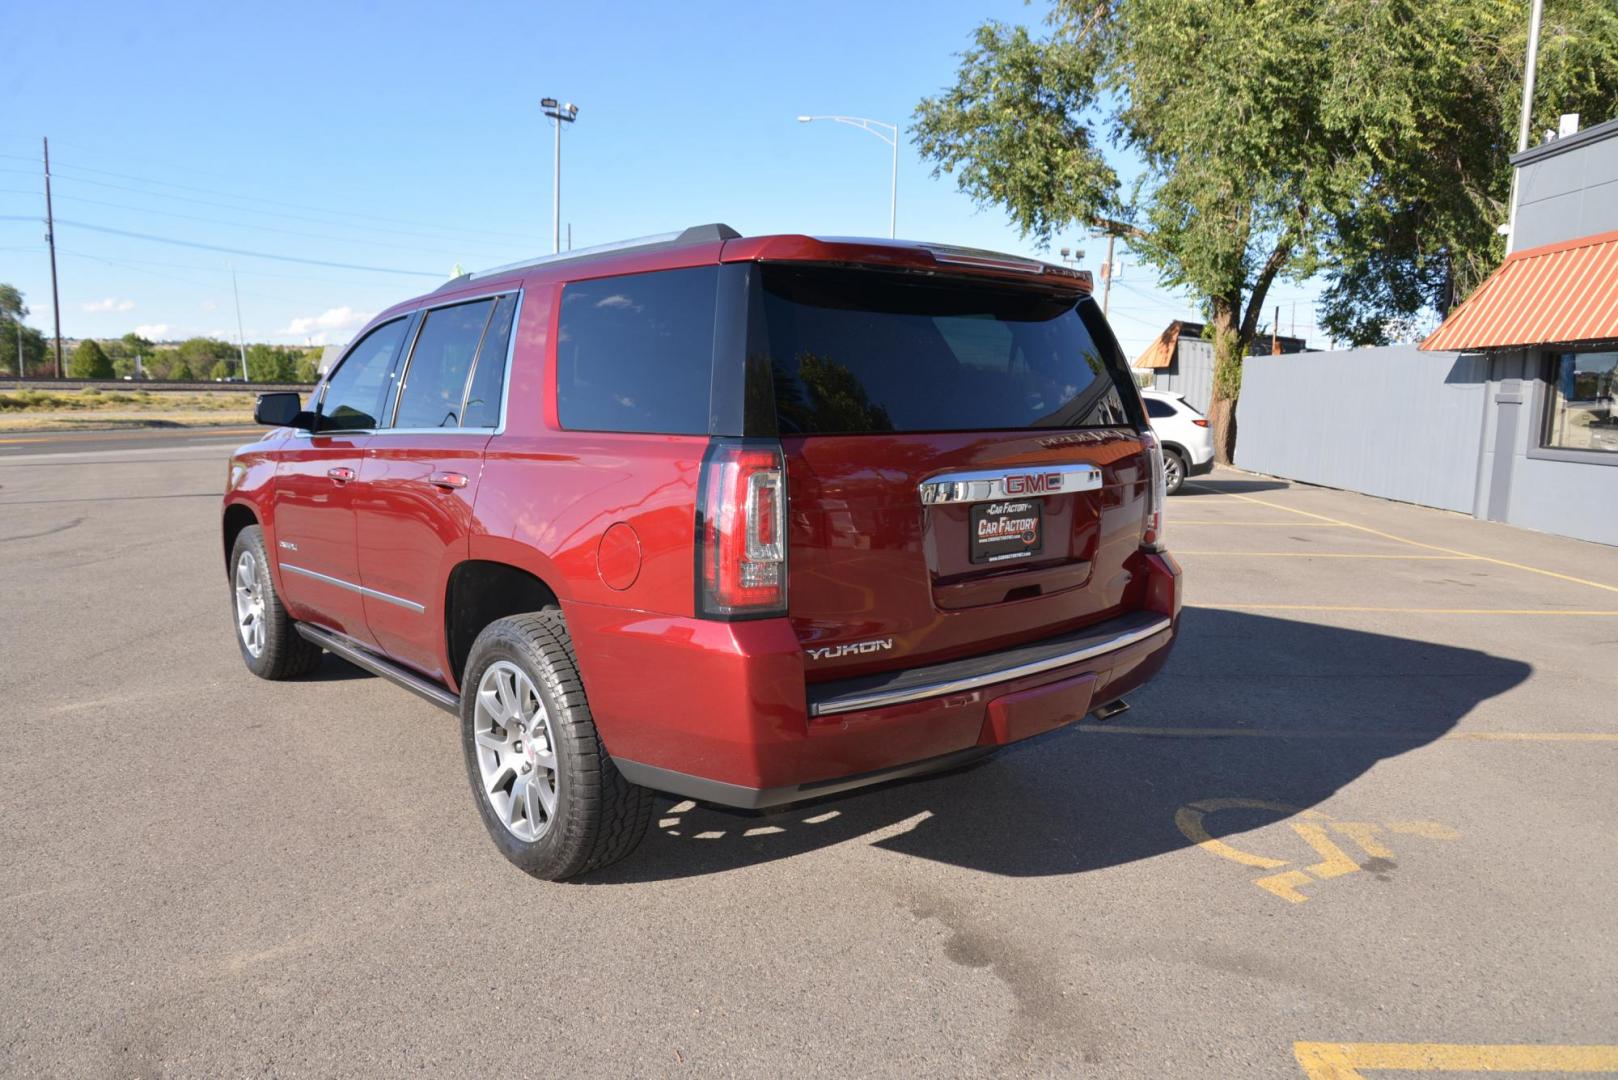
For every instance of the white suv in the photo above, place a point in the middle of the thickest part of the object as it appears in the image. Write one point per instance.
(1186, 435)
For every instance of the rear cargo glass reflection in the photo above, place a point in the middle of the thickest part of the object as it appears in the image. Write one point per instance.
(864, 352)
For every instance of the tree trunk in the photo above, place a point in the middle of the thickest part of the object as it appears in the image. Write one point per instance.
(1229, 351)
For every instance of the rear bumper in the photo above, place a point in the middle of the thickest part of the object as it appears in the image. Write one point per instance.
(720, 711)
(1201, 468)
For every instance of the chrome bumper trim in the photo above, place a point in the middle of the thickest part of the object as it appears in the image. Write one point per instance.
(882, 698)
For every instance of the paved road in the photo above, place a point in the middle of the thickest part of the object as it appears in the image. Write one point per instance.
(1369, 802)
(32, 443)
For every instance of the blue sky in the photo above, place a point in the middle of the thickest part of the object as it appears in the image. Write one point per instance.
(408, 136)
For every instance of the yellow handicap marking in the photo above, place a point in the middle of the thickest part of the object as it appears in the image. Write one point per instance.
(1343, 1061)
(1315, 829)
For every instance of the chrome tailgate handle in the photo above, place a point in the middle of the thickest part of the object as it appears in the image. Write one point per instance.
(983, 486)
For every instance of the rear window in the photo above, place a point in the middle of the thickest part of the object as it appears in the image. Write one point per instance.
(1157, 408)
(635, 352)
(857, 352)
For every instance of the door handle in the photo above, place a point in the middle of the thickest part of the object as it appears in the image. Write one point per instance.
(449, 481)
(340, 473)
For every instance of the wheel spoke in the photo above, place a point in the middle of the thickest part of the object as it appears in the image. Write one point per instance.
(490, 741)
(495, 778)
(489, 700)
(507, 692)
(520, 795)
(534, 795)
(541, 785)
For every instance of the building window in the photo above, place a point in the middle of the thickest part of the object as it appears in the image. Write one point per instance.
(1583, 402)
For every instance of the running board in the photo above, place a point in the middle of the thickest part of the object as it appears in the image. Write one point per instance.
(362, 657)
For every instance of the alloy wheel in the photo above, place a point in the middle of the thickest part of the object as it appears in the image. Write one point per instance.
(249, 603)
(516, 751)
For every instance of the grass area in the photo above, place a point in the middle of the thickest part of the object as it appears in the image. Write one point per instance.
(56, 410)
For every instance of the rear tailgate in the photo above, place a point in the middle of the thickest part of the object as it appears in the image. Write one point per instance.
(963, 463)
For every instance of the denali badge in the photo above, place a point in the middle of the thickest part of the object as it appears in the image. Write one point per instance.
(832, 652)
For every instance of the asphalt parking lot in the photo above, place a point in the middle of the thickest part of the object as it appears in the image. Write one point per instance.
(1363, 821)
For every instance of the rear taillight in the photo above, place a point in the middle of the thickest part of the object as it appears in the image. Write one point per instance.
(1151, 529)
(741, 531)
(1200, 422)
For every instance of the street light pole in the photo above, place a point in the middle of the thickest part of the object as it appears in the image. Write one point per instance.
(892, 139)
(561, 114)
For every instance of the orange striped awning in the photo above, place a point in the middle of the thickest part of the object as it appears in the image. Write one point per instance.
(1559, 293)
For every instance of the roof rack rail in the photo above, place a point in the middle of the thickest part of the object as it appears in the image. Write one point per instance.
(696, 234)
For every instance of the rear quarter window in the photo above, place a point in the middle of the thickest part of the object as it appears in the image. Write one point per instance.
(635, 352)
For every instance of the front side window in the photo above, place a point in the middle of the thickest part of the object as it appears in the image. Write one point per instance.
(865, 351)
(1583, 406)
(635, 352)
(440, 361)
(353, 396)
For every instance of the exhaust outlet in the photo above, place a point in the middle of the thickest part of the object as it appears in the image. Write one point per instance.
(1106, 712)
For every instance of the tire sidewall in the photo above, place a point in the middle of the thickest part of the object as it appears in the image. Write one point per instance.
(551, 848)
(1176, 481)
(252, 539)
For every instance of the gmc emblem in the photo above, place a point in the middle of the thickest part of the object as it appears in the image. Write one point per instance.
(1032, 483)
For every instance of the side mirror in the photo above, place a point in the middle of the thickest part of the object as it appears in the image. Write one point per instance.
(283, 409)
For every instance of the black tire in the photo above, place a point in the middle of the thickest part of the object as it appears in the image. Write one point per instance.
(599, 817)
(282, 652)
(1174, 469)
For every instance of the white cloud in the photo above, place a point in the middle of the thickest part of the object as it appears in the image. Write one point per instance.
(153, 331)
(111, 303)
(333, 324)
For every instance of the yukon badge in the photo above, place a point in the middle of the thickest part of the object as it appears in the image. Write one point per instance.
(832, 652)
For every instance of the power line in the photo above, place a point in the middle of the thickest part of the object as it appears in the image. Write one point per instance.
(268, 202)
(231, 250)
(248, 225)
(191, 200)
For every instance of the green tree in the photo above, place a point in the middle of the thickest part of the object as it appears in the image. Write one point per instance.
(307, 369)
(267, 363)
(201, 352)
(222, 369)
(1276, 139)
(89, 361)
(15, 334)
(175, 370)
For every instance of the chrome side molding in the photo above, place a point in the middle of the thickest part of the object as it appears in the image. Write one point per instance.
(987, 485)
(375, 594)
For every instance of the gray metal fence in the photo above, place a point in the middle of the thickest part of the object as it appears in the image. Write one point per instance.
(1393, 422)
(1192, 374)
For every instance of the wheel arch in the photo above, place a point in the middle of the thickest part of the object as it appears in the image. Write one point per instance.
(237, 517)
(479, 591)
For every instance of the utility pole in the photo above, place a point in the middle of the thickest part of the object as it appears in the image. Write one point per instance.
(1275, 331)
(50, 238)
(1529, 66)
(561, 114)
(241, 342)
(1106, 288)
(20, 375)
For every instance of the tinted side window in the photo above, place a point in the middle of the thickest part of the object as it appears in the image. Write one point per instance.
(354, 392)
(440, 361)
(489, 374)
(1157, 408)
(635, 353)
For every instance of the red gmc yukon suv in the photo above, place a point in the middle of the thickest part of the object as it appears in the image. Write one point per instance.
(747, 520)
